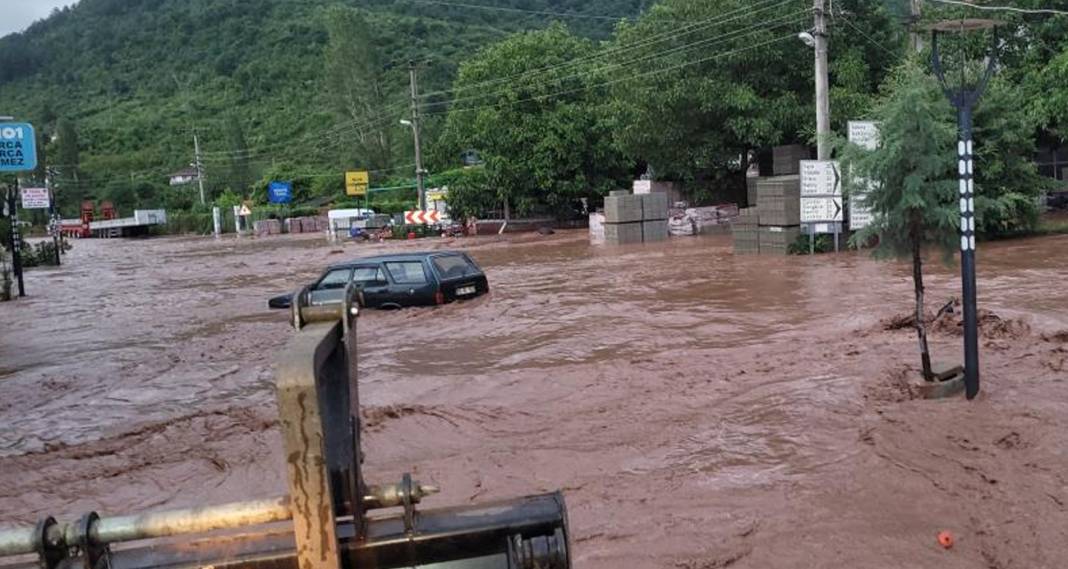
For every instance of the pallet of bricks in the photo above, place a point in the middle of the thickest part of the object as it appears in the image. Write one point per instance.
(780, 213)
(632, 218)
(746, 231)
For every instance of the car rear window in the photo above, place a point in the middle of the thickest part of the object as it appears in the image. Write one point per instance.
(407, 272)
(454, 267)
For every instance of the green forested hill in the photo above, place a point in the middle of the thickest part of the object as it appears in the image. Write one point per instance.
(134, 77)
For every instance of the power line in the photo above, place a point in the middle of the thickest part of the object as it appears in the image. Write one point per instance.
(717, 40)
(619, 80)
(1006, 8)
(868, 37)
(655, 38)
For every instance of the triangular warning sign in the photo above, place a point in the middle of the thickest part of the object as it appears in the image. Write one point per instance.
(245, 211)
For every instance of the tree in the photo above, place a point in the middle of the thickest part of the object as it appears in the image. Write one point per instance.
(357, 89)
(538, 121)
(912, 173)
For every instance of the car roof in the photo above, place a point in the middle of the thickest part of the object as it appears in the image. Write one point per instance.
(419, 256)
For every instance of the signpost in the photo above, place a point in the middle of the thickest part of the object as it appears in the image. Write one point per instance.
(357, 182)
(18, 153)
(864, 134)
(280, 192)
(821, 197)
(35, 198)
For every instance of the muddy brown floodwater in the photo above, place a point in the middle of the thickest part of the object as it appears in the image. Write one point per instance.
(698, 409)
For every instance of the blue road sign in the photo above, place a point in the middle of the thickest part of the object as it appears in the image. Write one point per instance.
(18, 147)
(280, 192)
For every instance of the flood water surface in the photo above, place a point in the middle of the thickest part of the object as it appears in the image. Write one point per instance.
(697, 408)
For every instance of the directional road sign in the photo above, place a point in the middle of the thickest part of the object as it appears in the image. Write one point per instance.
(821, 192)
(866, 135)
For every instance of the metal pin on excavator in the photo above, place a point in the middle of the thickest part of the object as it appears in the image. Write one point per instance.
(325, 521)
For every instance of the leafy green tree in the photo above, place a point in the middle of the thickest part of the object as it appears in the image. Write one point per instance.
(538, 121)
(913, 198)
(1007, 182)
(357, 87)
(698, 98)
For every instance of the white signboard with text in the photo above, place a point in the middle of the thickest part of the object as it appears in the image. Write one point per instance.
(866, 135)
(35, 198)
(821, 192)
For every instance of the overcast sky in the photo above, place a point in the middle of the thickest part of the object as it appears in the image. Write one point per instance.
(16, 15)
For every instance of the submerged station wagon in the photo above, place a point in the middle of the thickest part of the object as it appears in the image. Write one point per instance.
(396, 281)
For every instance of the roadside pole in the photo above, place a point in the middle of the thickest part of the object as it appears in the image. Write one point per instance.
(52, 213)
(823, 100)
(964, 100)
(197, 164)
(16, 237)
(419, 173)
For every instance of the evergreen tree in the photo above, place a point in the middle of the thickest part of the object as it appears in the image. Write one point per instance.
(910, 179)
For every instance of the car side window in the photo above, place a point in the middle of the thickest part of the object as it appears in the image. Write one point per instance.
(408, 272)
(338, 278)
(369, 274)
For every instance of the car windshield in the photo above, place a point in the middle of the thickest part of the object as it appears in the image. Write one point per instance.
(454, 266)
(408, 272)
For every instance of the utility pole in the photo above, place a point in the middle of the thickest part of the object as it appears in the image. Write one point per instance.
(823, 99)
(823, 96)
(915, 13)
(198, 165)
(419, 172)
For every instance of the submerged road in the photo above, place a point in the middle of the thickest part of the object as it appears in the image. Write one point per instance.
(698, 409)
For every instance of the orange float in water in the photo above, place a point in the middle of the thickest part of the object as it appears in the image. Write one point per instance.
(945, 539)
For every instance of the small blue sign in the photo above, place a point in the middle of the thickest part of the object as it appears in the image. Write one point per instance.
(280, 192)
(18, 147)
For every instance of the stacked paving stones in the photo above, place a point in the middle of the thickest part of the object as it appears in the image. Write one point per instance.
(780, 200)
(776, 240)
(786, 160)
(632, 218)
(746, 230)
(654, 217)
(780, 213)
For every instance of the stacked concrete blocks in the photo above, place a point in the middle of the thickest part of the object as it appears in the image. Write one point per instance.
(776, 240)
(654, 217)
(632, 219)
(622, 218)
(780, 200)
(746, 230)
(780, 213)
(786, 160)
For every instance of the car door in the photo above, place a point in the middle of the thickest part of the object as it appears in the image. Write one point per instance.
(372, 282)
(330, 287)
(410, 283)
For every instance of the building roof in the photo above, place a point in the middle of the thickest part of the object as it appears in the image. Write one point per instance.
(185, 173)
